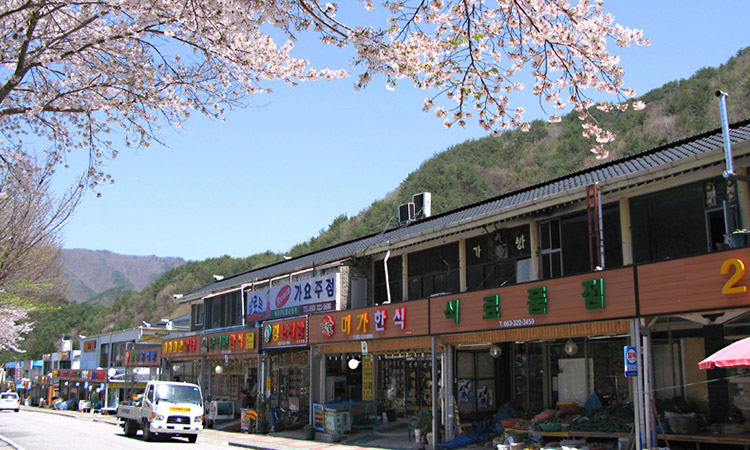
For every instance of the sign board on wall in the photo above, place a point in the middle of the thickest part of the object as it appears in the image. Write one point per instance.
(285, 333)
(594, 296)
(143, 357)
(699, 283)
(223, 343)
(299, 297)
(378, 322)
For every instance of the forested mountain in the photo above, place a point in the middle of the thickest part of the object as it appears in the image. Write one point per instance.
(462, 174)
(483, 168)
(107, 276)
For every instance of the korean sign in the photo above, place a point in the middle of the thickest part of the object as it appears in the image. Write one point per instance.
(700, 283)
(596, 296)
(384, 321)
(299, 297)
(245, 341)
(81, 375)
(285, 333)
(143, 357)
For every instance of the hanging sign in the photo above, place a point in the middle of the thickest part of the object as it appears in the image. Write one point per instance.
(631, 361)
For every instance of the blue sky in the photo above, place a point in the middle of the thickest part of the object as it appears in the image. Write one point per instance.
(276, 173)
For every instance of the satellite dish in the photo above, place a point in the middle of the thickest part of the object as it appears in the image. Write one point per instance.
(495, 351)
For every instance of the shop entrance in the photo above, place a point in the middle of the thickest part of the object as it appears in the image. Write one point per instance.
(290, 380)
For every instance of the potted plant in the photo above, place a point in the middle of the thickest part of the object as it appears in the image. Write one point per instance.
(261, 423)
(309, 432)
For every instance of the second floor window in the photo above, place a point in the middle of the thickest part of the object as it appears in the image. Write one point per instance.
(223, 310)
(434, 271)
(394, 280)
(550, 252)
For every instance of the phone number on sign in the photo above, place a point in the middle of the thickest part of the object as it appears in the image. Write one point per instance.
(517, 322)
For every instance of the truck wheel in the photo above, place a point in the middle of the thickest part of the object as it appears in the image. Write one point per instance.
(148, 436)
(130, 428)
(192, 438)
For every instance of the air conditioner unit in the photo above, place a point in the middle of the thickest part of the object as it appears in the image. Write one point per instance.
(422, 204)
(405, 213)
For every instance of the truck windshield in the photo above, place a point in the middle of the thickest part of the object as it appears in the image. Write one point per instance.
(176, 393)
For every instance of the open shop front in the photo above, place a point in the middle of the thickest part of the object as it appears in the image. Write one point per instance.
(533, 356)
(286, 372)
(693, 307)
(230, 359)
(231, 372)
(80, 388)
(375, 365)
(181, 358)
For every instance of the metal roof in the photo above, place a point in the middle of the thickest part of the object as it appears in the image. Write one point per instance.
(628, 167)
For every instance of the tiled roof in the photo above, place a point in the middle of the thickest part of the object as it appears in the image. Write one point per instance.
(630, 166)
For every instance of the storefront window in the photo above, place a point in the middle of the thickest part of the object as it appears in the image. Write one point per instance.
(476, 383)
(405, 383)
(187, 371)
(290, 379)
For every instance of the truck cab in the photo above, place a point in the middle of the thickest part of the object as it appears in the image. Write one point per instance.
(166, 408)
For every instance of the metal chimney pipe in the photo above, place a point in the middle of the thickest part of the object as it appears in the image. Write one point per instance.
(725, 133)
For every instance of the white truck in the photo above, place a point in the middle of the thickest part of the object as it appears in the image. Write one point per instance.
(166, 408)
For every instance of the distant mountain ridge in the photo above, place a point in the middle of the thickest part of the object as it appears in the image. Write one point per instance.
(93, 273)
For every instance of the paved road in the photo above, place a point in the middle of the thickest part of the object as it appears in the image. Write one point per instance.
(35, 428)
(32, 430)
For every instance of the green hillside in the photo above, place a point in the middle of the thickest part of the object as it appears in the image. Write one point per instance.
(462, 174)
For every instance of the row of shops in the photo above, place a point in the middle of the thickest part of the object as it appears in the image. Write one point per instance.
(528, 346)
(604, 286)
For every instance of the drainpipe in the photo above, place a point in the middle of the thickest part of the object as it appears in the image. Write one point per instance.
(387, 281)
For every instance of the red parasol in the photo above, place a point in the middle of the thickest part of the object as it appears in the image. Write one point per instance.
(733, 355)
